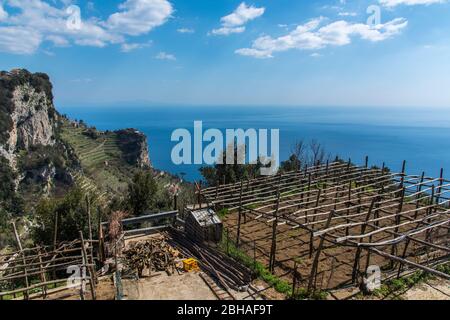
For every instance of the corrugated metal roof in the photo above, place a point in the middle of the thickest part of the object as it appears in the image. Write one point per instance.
(206, 217)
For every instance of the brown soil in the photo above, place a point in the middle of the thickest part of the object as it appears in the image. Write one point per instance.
(336, 261)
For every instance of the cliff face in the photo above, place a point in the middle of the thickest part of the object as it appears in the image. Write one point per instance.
(28, 115)
(46, 153)
(134, 146)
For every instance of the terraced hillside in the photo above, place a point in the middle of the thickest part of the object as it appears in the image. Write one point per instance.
(102, 160)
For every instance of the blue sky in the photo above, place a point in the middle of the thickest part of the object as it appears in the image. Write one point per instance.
(226, 52)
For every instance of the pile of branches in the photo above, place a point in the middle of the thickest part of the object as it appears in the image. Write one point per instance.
(153, 255)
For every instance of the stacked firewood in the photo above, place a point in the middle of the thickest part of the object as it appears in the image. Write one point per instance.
(152, 255)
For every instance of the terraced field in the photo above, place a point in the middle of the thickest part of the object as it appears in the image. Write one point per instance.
(101, 159)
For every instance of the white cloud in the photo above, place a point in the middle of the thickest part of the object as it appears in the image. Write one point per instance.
(128, 47)
(225, 31)
(235, 22)
(394, 3)
(139, 16)
(58, 41)
(47, 21)
(185, 30)
(347, 14)
(3, 13)
(314, 36)
(19, 40)
(165, 56)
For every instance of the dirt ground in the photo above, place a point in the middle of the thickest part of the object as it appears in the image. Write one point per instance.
(187, 286)
(431, 290)
(335, 264)
(105, 291)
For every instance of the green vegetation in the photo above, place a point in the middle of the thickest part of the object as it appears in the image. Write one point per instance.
(72, 215)
(394, 287)
(10, 201)
(222, 213)
(141, 193)
(99, 155)
(304, 154)
(252, 206)
(264, 274)
(223, 173)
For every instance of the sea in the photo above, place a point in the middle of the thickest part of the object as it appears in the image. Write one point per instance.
(421, 136)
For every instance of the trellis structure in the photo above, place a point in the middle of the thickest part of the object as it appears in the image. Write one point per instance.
(33, 270)
(336, 219)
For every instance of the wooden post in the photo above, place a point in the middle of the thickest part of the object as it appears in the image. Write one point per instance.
(239, 218)
(312, 276)
(42, 274)
(405, 249)
(429, 211)
(438, 196)
(200, 195)
(101, 239)
(19, 244)
(403, 174)
(228, 241)
(55, 238)
(311, 234)
(55, 232)
(273, 249)
(88, 209)
(367, 162)
(294, 280)
(217, 189)
(88, 267)
(254, 254)
(311, 242)
(358, 250)
(377, 223)
(309, 190)
(349, 198)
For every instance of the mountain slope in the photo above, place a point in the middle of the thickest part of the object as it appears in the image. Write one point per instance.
(45, 153)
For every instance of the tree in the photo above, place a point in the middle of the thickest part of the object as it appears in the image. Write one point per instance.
(305, 154)
(10, 200)
(229, 173)
(141, 193)
(71, 214)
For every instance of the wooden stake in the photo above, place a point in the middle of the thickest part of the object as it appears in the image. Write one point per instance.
(358, 250)
(239, 218)
(441, 181)
(88, 209)
(88, 267)
(42, 275)
(19, 244)
(273, 249)
(294, 280)
(312, 276)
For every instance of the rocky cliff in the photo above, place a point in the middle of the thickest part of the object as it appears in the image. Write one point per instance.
(46, 153)
(27, 115)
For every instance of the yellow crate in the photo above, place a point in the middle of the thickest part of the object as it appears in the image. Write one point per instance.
(190, 265)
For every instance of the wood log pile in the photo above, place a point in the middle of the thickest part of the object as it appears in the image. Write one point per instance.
(152, 255)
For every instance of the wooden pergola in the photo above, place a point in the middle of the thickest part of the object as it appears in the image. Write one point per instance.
(402, 219)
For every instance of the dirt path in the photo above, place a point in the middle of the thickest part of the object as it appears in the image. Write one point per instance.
(188, 286)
